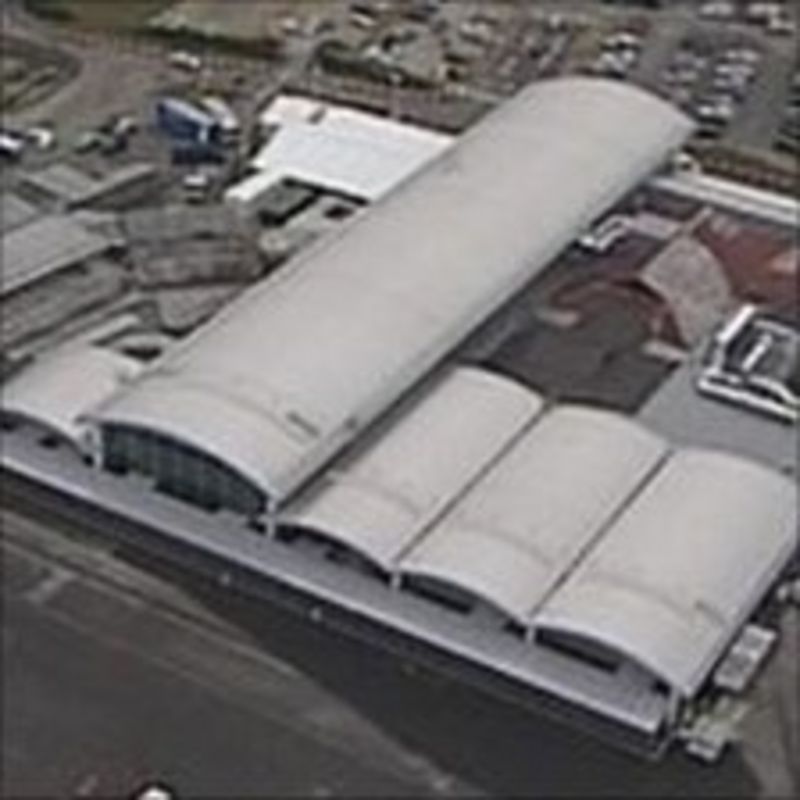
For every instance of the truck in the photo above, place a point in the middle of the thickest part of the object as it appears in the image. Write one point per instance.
(228, 122)
(196, 153)
(183, 121)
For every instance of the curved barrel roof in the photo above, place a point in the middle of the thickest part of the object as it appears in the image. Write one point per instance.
(297, 367)
(520, 530)
(381, 500)
(671, 581)
(58, 388)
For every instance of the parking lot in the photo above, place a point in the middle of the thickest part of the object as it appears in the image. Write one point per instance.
(443, 64)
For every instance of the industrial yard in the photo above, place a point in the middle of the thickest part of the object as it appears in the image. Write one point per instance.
(445, 63)
(267, 417)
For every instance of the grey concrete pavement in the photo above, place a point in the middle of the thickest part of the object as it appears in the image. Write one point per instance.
(757, 121)
(110, 681)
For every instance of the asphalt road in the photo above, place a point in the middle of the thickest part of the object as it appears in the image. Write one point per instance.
(113, 676)
(111, 680)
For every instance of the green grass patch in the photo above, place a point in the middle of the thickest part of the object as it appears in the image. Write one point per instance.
(267, 48)
(99, 15)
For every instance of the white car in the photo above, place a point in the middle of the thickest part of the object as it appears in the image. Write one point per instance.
(684, 163)
(780, 25)
(187, 61)
(11, 145)
(125, 126)
(719, 10)
(196, 186)
(602, 237)
(155, 792)
(42, 137)
(88, 141)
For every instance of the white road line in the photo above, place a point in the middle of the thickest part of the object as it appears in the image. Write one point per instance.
(87, 786)
(100, 578)
(47, 588)
(319, 727)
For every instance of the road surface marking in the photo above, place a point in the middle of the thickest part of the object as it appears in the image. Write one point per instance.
(87, 786)
(47, 588)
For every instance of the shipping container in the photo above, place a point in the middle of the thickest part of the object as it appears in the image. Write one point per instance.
(225, 117)
(184, 121)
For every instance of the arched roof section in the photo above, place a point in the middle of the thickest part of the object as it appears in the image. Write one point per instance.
(524, 525)
(673, 579)
(381, 499)
(57, 389)
(229, 438)
(302, 363)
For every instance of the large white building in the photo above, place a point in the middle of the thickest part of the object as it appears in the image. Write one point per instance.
(298, 367)
(568, 551)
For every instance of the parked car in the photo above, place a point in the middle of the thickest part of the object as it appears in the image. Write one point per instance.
(718, 10)
(12, 145)
(41, 136)
(603, 236)
(88, 141)
(181, 59)
(196, 186)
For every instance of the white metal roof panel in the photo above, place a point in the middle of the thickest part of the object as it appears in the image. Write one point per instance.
(674, 578)
(623, 696)
(353, 156)
(522, 528)
(288, 109)
(58, 388)
(333, 161)
(294, 111)
(317, 351)
(380, 501)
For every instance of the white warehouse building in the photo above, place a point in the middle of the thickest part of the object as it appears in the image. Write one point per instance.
(259, 400)
(566, 550)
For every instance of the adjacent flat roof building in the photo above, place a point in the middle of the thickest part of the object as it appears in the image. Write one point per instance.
(44, 247)
(59, 387)
(335, 148)
(61, 187)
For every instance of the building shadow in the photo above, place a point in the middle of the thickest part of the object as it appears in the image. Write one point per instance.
(499, 748)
